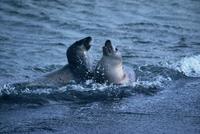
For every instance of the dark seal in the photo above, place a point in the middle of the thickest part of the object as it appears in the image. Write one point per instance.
(78, 67)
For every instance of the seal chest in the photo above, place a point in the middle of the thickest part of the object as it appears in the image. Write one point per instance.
(110, 68)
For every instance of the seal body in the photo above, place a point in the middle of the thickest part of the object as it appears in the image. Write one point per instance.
(110, 67)
(59, 77)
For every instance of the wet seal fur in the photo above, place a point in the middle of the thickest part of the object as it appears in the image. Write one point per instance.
(110, 67)
(78, 67)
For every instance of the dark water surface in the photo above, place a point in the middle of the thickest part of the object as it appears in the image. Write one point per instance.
(160, 40)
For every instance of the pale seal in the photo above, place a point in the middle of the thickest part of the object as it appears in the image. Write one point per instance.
(110, 68)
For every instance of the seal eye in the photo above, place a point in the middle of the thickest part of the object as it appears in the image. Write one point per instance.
(116, 49)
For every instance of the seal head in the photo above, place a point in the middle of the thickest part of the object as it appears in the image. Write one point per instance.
(78, 58)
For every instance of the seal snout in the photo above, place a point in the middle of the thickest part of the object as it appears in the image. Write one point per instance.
(88, 38)
(108, 43)
(108, 48)
(87, 41)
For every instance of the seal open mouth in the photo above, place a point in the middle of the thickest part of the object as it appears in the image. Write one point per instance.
(108, 48)
(87, 41)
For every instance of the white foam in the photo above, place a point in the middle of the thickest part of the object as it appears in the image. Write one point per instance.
(88, 86)
(6, 89)
(190, 66)
(158, 81)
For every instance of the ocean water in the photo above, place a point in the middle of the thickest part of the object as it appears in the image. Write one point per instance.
(159, 40)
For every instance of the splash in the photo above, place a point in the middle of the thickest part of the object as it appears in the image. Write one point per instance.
(190, 66)
(88, 91)
(9, 89)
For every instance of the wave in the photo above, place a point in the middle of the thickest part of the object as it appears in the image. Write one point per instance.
(150, 80)
(189, 66)
(88, 91)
